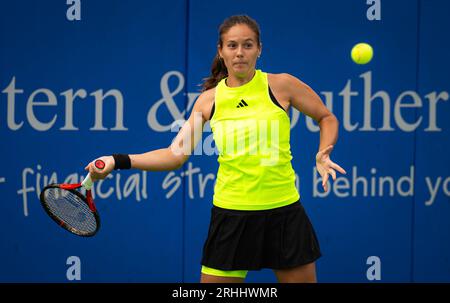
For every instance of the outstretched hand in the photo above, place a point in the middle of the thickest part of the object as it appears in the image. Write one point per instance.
(327, 167)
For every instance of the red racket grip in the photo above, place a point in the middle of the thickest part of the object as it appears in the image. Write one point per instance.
(100, 164)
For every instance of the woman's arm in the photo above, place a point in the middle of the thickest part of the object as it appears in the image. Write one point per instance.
(174, 156)
(305, 100)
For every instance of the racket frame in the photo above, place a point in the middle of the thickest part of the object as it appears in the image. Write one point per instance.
(86, 199)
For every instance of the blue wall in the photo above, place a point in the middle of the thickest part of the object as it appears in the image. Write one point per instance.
(148, 58)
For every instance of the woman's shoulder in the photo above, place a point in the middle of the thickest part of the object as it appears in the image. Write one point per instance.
(281, 80)
(207, 96)
(205, 101)
(281, 77)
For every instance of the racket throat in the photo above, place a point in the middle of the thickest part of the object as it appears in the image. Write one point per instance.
(70, 186)
(90, 201)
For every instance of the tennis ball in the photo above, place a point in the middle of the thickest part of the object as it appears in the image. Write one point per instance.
(362, 53)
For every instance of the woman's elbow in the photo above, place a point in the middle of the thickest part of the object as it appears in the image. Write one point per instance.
(177, 159)
(329, 118)
(178, 163)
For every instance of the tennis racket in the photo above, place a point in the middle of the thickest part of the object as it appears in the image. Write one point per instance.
(70, 209)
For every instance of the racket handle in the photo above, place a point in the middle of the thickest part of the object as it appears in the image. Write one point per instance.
(87, 182)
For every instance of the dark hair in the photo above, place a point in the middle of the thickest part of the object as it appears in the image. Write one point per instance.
(218, 68)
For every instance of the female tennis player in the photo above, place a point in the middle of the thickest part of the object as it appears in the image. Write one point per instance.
(257, 220)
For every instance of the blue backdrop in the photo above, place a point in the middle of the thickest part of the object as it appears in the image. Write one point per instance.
(81, 79)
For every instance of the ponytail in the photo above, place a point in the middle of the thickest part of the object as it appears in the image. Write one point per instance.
(218, 72)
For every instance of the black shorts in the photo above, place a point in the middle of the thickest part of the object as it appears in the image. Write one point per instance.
(277, 238)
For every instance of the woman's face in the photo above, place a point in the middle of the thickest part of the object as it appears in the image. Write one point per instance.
(239, 50)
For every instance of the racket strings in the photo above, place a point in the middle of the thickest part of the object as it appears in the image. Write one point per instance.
(71, 209)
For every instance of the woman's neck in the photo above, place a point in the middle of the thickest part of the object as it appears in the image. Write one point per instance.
(234, 81)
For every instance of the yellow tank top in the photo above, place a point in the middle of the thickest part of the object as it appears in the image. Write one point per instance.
(252, 136)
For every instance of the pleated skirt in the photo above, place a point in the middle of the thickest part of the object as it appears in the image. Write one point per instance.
(277, 238)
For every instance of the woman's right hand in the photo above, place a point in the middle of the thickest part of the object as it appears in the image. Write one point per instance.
(96, 173)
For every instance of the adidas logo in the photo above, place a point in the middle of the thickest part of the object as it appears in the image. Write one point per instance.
(242, 104)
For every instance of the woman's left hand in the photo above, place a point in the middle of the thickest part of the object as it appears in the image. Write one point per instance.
(325, 166)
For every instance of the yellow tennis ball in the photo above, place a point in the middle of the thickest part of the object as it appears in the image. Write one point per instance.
(362, 53)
